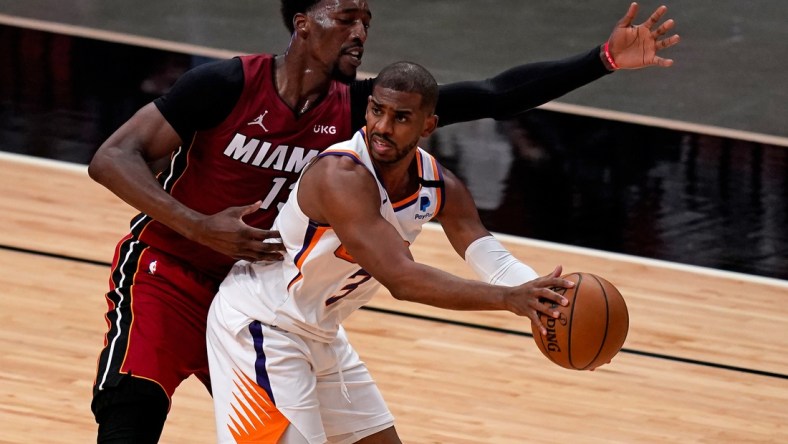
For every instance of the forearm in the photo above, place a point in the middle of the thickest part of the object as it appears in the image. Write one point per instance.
(494, 264)
(518, 89)
(129, 177)
(431, 286)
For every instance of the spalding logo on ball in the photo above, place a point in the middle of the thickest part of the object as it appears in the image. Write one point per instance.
(591, 329)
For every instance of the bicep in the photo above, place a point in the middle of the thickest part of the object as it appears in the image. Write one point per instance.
(459, 216)
(125, 161)
(373, 242)
(203, 97)
(146, 133)
(200, 99)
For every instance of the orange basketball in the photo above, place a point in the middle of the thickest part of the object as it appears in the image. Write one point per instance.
(591, 329)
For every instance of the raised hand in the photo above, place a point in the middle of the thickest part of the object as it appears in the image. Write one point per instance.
(228, 234)
(636, 46)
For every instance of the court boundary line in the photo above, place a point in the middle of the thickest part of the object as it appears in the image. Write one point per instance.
(623, 350)
(115, 37)
(519, 240)
(556, 106)
(660, 122)
(456, 323)
(44, 161)
(632, 259)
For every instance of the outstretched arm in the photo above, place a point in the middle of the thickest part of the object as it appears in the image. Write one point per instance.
(379, 249)
(524, 87)
(518, 89)
(490, 260)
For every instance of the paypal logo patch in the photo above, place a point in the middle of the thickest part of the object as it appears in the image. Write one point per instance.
(424, 203)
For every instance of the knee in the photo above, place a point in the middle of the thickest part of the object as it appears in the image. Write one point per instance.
(132, 412)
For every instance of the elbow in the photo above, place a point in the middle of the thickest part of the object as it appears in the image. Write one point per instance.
(399, 295)
(105, 164)
(411, 291)
(398, 290)
(402, 277)
(96, 166)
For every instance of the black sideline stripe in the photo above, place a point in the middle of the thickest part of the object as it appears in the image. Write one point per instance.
(55, 256)
(464, 324)
(623, 350)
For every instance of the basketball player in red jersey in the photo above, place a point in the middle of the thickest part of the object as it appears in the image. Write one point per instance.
(237, 133)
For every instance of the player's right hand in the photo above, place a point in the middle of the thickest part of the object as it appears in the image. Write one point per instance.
(534, 298)
(227, 233)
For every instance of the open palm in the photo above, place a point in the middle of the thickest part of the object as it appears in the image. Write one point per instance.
(636, 46)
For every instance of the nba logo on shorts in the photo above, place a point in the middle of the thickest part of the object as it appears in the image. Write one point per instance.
(152, 267)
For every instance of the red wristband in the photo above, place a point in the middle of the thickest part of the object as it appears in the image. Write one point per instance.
(609, 56)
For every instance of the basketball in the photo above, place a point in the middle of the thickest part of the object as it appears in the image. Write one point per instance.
(592, 327)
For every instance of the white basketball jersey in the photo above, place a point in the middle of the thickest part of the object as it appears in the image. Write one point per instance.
(319, 284)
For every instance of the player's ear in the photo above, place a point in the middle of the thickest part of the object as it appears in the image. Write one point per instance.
(301, 24)
(430, 124)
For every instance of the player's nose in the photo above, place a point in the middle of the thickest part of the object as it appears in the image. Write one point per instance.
(359, 32)
(384, 125)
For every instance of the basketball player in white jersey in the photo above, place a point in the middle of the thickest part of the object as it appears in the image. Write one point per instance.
(281, 367)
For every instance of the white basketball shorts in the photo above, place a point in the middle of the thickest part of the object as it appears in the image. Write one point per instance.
(264, 379)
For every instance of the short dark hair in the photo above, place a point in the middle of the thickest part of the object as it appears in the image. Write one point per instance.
(290, 8)
(410, 77)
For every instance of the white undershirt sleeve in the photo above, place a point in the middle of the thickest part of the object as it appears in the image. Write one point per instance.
(495, 265)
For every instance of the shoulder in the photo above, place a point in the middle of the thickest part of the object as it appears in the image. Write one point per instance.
(203, 96)
(335, 186)
(351, 148)
(342, 164)
(456, 196)
(338, 165)
(212, 79)
(453, 185)
(256, 64)
(228, 70)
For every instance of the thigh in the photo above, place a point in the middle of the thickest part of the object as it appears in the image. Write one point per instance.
(156, 318)
(350, 401)
(265, 380)
(262, 380)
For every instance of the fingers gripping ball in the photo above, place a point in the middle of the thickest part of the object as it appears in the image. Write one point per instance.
(592, 327)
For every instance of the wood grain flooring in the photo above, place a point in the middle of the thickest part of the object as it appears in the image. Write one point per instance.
(706, 359)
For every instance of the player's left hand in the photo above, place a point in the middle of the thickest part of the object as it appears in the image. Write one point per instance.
(636, 46)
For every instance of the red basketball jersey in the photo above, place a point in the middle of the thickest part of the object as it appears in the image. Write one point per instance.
(256, 153)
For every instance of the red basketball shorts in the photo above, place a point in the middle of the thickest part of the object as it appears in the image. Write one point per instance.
(156, 317)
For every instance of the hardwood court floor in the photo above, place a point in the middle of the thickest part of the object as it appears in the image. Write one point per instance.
(705, 360)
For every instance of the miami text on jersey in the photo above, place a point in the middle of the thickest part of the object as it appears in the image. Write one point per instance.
(259, 153)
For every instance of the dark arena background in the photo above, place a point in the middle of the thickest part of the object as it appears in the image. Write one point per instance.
(670, 183)
(686, 164)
